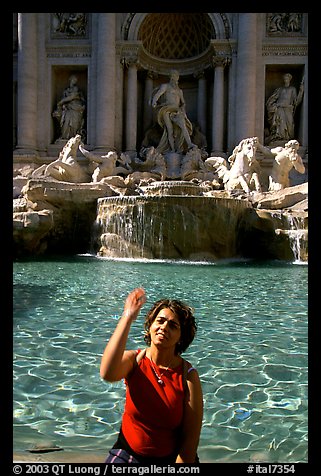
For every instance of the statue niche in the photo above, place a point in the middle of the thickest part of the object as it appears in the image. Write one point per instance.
(70, 111)
(171, 116)
(281, 107)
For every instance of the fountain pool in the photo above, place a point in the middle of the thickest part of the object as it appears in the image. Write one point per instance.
(250, 350)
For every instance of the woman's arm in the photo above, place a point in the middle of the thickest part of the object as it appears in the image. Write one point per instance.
(192, 420)
(116, 362)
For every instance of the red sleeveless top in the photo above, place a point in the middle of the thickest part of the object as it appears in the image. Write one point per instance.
(153, 412)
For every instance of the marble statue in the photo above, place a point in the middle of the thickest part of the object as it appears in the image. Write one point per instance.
(281, 106)
(171, 116)
(70, 23)
(70, 110)
(193, 167)
(199, 139)
(284, 160)
(243, 172)
(66, 167)
(105, 165)
(284, 22)
(154, 165)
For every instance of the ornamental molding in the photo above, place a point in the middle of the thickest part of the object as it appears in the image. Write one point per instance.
(70, 51)
(220, 61)
(284, 50)
(134, 52)
(129, 49)
(129, 53)
(221, 23)
(221, 47)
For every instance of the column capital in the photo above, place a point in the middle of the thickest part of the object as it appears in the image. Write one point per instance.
(200, 74)
(130, 54)
(130, 60)
(220, 61)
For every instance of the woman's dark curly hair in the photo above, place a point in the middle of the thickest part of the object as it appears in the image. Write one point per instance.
(183, 312)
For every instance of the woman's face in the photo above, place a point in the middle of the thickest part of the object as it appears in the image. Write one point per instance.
(165, 330)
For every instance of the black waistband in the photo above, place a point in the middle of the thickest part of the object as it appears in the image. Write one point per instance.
(122, 443)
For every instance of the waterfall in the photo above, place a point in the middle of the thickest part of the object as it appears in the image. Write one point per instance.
(297, 233)
(297, 236)
(168, 226)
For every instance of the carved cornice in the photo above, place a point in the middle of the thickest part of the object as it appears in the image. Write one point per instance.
(74, 51)
(134, 52)
(119, 48)
(129, 53)
(127, 48)
(221, 47)
(284, 50)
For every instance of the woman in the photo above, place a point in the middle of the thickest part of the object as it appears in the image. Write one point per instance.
(70, 110)
(281, 107)
(162, 420)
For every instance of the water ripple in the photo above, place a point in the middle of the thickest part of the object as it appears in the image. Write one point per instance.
(250, 351)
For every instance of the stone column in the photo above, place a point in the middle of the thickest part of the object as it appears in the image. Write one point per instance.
(218, 106)
(106, 79)
(201, 102)
(148, 110)
(131, 109)
(27, 84)
(246, 77)
(304, 114)
(119, 102)
(231, 93)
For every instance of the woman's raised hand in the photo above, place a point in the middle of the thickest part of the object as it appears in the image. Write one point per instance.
(133, 303)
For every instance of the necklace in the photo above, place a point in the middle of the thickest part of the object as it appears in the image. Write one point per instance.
(159, 377)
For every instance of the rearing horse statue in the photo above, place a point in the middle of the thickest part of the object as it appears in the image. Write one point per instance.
(65, 168)
(244, 168)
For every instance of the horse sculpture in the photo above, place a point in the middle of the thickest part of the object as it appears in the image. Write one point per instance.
(244, 168)
(65, 168)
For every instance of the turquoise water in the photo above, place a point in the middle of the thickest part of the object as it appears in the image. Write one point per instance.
(251, 351)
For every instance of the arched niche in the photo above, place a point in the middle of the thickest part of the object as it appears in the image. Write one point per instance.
(221, 24)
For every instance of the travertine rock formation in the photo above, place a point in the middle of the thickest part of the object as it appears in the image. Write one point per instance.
(156, 220)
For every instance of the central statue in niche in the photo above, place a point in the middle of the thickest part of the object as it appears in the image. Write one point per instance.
(171, 116)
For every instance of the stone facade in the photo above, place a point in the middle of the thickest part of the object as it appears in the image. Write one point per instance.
(229, 64)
